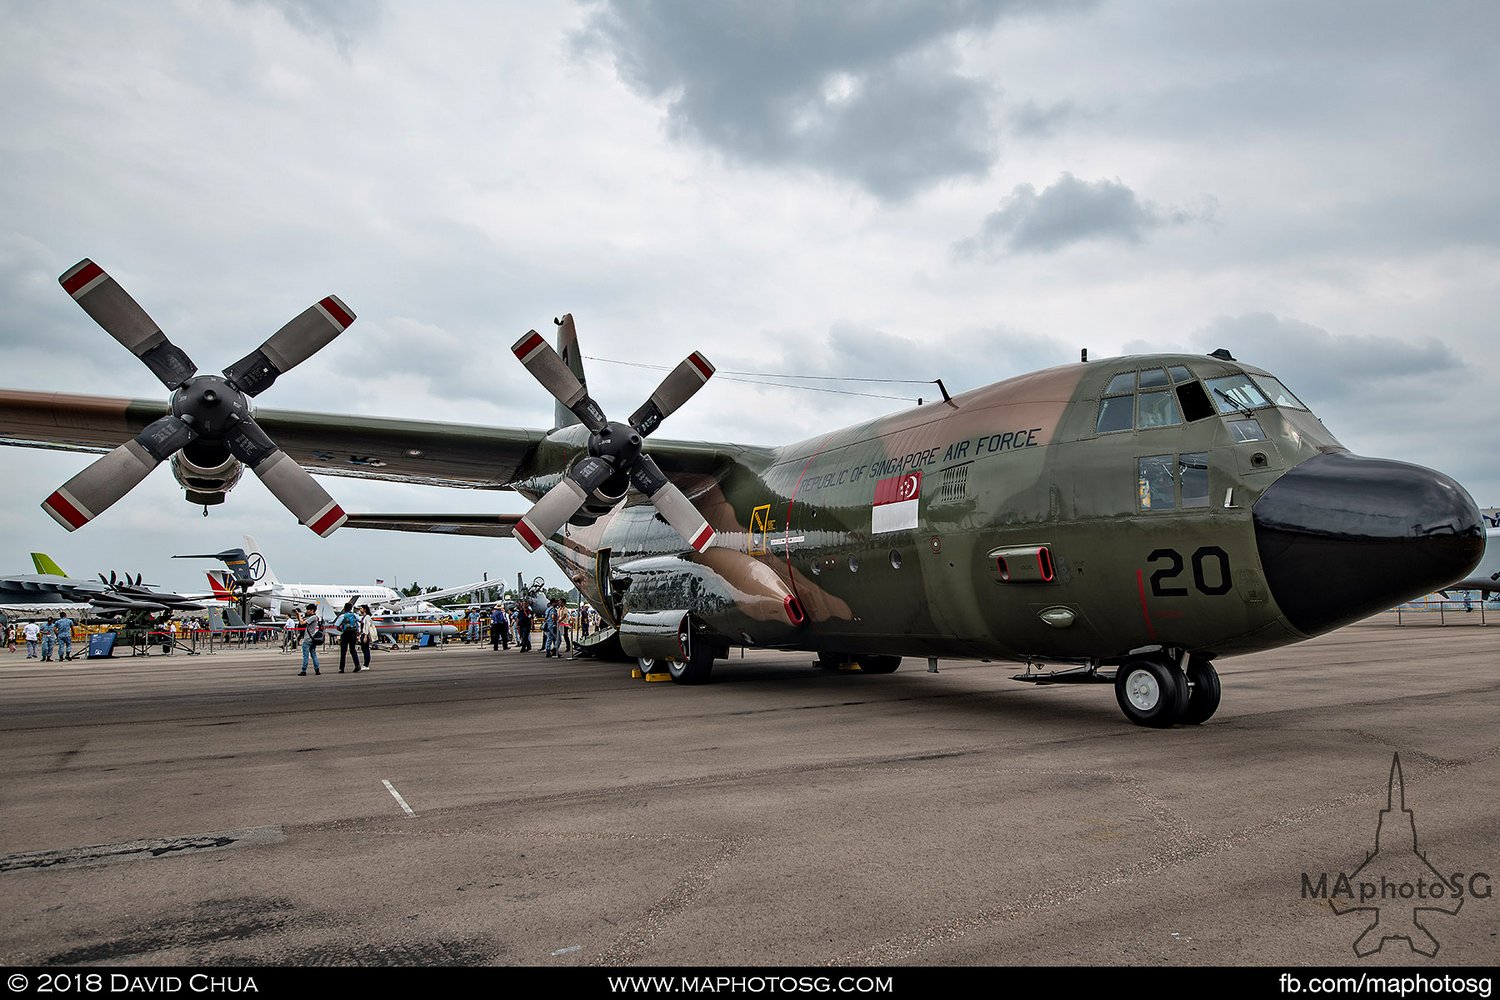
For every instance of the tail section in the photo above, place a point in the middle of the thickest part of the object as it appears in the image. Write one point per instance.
(567, 346)
(44, 565)
(216, 584)
(257, 556)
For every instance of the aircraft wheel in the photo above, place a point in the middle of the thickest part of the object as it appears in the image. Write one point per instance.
(1203, 693)
(831, 661)
(646, 663)
(1150, 692)
(878, 664)
(699, 664)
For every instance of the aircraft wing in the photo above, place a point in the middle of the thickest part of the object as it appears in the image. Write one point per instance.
(489, 525)
(398, 450)
(438, 595)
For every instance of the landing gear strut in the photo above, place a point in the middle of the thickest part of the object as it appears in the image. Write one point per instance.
(1203, 691)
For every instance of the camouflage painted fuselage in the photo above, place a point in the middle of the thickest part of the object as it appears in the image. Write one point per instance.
(1009, 523)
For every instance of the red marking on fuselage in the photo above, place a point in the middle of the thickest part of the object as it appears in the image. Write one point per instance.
(1140, 586)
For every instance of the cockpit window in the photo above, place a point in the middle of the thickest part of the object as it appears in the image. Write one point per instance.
(1123, 382)
(1246, 430)
(1179, 373)
(1153, 377)
(1115, 413)
(1278, 393)
(1236, 394)
(1157, 409)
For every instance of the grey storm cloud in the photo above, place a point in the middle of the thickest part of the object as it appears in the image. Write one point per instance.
(864, 92)
(1070, 211)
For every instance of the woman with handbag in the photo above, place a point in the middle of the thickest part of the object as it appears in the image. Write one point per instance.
(312, 638)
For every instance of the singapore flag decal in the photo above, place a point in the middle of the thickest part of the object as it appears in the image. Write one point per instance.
(896, 503)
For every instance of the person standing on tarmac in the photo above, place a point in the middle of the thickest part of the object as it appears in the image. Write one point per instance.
(64, 626)
(369, 634)
(499, 627)
(312, 638)
(347, 627)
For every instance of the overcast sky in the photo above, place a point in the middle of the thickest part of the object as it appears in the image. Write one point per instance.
(955, 190)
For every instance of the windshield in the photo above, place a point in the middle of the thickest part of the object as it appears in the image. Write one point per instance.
(1236, 393)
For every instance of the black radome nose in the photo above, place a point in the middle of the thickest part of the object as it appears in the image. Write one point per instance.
(1342, 537)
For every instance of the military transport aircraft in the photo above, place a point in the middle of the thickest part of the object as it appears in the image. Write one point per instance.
(1124, 521)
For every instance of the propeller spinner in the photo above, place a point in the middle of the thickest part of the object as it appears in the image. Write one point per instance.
(208, 411)
(615, 455)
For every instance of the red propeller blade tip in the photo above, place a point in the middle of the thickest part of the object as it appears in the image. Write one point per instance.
(328, 521)
(65, 511)
(83, 276)
(527, 534)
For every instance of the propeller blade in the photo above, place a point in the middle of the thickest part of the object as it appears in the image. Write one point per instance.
(674, 505)
(548, 368)
(96, 488)
(300, 493)
(123, 319)
(561, 502)
(677, 388)
(288, 347)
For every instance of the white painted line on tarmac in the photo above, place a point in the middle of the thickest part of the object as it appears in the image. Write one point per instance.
(397, 796)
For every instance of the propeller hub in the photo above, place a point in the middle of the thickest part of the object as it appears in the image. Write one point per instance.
(617, 443)
(210, 405)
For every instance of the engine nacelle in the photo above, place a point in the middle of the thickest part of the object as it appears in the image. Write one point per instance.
(600, 502)
(206, 483)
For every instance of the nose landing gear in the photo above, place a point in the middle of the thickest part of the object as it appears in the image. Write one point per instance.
(1153, 691)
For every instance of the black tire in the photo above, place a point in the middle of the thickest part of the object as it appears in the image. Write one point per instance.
(1150, 692)
(646, 664)
(1203, 692)
(878, 664)
(697, 668)
(832, 661)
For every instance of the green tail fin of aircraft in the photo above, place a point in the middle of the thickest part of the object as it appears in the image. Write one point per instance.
(45, 565)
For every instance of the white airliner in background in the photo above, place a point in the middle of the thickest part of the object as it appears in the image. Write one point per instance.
(268, 593)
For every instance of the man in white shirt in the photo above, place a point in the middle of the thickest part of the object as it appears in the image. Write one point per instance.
(33, 633)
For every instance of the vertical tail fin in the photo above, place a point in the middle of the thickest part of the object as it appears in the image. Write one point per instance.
(253, 550)
(216, 584)
(45, 565)
(567, 346)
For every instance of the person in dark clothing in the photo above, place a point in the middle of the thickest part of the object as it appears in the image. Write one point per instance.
(347, 626)
(523, 626)
(499, 628)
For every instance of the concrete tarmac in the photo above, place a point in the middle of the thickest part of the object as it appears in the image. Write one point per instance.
(456, 805)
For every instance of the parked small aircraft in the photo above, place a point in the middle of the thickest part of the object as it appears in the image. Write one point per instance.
(1124, 521)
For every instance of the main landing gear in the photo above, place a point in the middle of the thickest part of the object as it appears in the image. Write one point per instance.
(1153, 691)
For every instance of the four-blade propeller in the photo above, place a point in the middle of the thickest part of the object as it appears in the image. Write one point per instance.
(615, 458)
(209, 412)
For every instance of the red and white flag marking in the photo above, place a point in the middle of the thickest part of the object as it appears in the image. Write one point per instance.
(896, 502)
